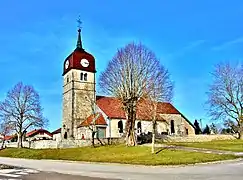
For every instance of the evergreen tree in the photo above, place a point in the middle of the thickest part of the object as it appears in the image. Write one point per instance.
(197, 127)
(226, 131)
(206, 130)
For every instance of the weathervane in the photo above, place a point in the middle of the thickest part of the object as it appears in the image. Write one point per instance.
(79, 22)
(79, 42)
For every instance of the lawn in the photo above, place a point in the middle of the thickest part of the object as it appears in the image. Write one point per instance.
(117, 154)
(233, 145)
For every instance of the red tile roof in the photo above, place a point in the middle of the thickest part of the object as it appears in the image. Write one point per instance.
(99, 121)
(37, 131)
(9, 137)
(112, 107)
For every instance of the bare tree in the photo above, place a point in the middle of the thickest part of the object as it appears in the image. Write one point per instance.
(22, 109)
(90, 99)
(5, 129)
(225, 96)
(231, 125)
(129, 77)
(93, 128)
(159, 90)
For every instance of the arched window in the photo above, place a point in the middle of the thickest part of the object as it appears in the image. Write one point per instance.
(139, 127)
(120, 126)
(172, 127)
(81, 76)
(85, 77)
(65, 135)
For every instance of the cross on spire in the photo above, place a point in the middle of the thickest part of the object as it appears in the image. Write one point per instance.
(79, 42)
(79, 22)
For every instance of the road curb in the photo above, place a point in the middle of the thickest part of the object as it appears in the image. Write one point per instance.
(136, 165)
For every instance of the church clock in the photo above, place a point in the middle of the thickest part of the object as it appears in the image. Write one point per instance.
(84, 62)
(67, 64)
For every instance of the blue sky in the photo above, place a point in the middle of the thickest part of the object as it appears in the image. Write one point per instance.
(188, 36)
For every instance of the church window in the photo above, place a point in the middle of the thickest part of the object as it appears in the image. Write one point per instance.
(120, 126)
(65, 135)
(81, 76)
(187, 131)
(172, 127)
(85, 77)
(139, 127)
(67, 79)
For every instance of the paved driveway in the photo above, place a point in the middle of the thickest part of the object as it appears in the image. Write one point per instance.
(223, 171)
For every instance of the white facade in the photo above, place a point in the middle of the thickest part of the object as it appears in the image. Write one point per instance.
(57, 137)
(39, 136)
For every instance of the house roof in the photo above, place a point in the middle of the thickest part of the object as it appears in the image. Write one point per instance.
(100, 120)
(57, 131)
(9, 137)
(112, 107)
(37, 131)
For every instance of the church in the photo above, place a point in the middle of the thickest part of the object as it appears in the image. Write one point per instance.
(83, 110)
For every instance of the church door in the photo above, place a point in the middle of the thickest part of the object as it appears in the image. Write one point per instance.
(101, 132)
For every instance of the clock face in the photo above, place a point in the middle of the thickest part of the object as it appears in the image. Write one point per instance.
(67, 64)
(84, 62)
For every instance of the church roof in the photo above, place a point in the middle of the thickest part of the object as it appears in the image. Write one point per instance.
(99, 120)
(112, 107)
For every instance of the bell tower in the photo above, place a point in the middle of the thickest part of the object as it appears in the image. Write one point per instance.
(78, 89)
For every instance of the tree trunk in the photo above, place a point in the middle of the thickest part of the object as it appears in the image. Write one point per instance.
(130, 128)
(20, 144)
(240, 132)
(240, 135)
(153, 137)
(101, 143)
(93, 135)
(2, 146)
(131, 139)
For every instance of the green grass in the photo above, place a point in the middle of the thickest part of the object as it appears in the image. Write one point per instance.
(117, 154)
(227, 145)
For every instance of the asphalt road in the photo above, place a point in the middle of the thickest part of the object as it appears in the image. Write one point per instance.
(56, 176)
(16, 173)
(221, 171)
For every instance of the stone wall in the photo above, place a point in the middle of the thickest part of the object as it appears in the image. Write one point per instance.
(180, 124)
(50, 144)
(197, 138)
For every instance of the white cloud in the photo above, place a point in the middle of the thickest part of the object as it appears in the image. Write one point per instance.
(186, 49)
(227, 44)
